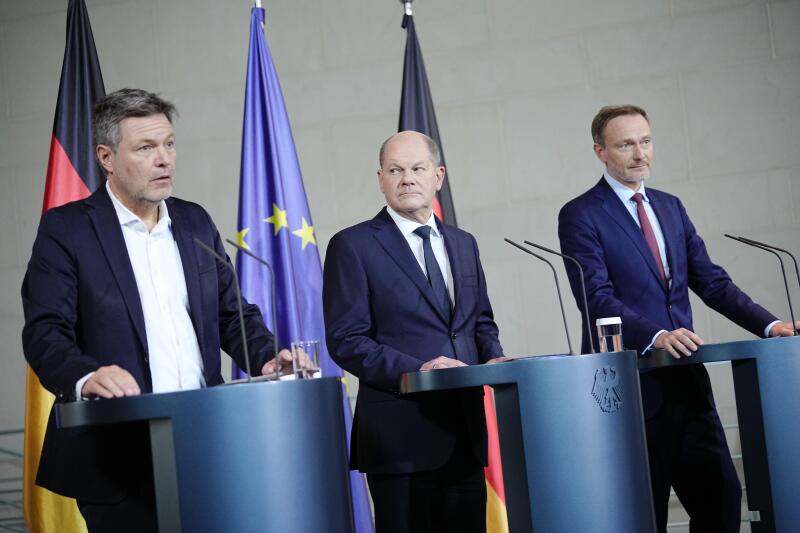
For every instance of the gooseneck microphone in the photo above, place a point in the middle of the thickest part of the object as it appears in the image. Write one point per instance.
(273, 303)
(766, 248)
(229, 266)
(583, 287)
(771, 247)
(558, 288)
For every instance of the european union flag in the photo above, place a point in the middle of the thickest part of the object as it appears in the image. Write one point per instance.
(275, 223)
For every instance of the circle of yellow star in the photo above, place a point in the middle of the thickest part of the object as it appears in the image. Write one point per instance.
(278, 219)
(306, 233)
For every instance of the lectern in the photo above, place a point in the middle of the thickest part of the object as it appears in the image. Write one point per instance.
(251, 457)
(572, 439)
(766, 379)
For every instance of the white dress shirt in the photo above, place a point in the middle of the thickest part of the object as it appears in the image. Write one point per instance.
(173, 350)
(414, 241)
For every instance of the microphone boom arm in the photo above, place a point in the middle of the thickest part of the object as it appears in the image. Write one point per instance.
(558, 289)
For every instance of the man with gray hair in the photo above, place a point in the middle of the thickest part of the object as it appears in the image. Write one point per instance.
(403, 292)
(119, 300)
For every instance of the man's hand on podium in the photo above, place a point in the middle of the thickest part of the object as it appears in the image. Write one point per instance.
(679, 343)
(285, 359)
(110, 382)
(495, 360)
(783, 329)
(441, 362)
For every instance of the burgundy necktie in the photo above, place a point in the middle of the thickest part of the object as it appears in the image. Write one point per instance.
(649, 235)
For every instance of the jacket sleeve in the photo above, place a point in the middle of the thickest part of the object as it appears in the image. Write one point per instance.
(50, 305)
(348, 321)
(486, 330)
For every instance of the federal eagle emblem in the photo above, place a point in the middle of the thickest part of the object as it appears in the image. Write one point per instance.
(604, 389)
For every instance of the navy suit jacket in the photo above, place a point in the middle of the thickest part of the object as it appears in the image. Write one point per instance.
(382, 320)
(622, 278)
(82, 311)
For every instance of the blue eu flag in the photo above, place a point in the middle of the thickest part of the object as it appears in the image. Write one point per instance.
(275, 223)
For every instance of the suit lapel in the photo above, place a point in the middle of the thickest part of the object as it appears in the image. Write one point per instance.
(184, 237)
(455, 260)
(109, 233)
(622, 217)
(394, 243)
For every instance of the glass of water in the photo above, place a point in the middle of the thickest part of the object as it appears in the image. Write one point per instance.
(305, 359)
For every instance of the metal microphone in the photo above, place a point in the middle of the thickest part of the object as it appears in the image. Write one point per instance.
(274, 305)
(558, 288)
(766, 248)
(238, 299)
(771, 247)
(583, 287)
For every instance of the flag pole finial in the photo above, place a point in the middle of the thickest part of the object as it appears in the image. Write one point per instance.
(407, 4)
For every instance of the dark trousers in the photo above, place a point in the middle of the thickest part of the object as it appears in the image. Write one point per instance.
(135, 513)
(450, 499)
(688, 451)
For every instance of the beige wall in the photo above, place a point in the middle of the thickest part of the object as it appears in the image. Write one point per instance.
(516, 83)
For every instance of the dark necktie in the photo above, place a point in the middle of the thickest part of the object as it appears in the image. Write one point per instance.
(649, 235)
(435, 277)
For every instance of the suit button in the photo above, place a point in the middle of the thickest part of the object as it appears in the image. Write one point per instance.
(453, 335)
(146, 359)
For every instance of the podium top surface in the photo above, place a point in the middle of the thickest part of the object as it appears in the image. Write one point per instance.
(510, 371)
(168, 404)
(724, 351)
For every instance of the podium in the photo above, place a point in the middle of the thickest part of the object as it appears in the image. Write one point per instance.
(766, 379)
(572, 439)
(250, 457)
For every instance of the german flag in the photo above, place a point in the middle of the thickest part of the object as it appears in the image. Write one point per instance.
(72, 174)
(417, 114)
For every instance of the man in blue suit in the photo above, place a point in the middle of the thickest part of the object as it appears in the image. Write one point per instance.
(119, 300)
(641, 254)
(402, 293)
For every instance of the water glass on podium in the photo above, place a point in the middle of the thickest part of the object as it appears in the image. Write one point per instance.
(609, 333)
(305, 359)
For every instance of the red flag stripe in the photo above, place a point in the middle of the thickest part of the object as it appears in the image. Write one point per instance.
(493, 472)
(63, 182)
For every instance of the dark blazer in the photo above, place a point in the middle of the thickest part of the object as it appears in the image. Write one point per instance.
(622, 278)
(382, 320)
(82, 311)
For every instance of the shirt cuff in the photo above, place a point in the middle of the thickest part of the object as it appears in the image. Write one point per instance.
(653, 341)
(79, 386)
(769, 327)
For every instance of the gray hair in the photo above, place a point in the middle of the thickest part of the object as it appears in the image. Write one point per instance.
(113, 108)
(433, 149)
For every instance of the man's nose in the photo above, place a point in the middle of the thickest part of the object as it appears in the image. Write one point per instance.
(162, 156)
(638, 153)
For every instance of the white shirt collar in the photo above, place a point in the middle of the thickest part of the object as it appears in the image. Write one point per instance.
(407, 226)
(128, 218)
(625, 193)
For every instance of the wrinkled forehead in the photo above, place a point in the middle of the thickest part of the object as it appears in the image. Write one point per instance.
(152, 127)
(626, 127)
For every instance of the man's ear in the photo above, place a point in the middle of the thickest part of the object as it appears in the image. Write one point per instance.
(599, 151)
(105, 156)
(440, 172)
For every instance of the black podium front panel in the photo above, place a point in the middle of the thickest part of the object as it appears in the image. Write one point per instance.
(267, 456)
(571, 436)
